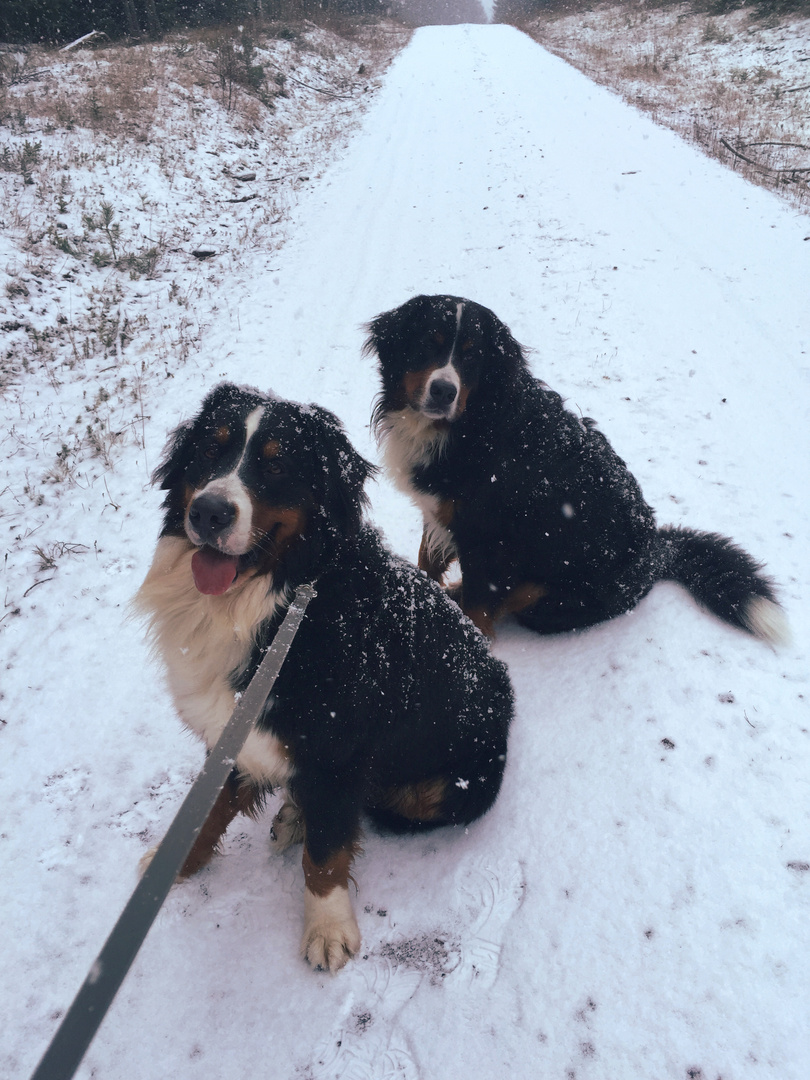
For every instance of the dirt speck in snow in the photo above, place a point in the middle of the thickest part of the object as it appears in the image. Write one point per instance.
(435, 955)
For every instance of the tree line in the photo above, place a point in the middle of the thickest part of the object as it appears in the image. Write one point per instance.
(440, 12)
(521, 11)
(59, 21)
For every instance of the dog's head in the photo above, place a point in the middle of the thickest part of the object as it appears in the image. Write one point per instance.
(260, 486)
(437, 353)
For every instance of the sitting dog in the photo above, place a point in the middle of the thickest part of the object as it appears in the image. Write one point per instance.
(388, 700)
(544, 517)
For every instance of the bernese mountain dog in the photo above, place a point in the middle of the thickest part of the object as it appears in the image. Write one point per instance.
(544, 518)
(389, 701)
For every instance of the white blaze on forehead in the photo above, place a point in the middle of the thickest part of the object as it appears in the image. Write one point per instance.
(459, 310)
(251, 427)
(448, 373)
(237, 539)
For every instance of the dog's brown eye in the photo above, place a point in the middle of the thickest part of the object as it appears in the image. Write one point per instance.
(212, 451)
(274, 467)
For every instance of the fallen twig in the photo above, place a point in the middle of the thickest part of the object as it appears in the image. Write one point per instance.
(759, 165)
(86, 37)
(317, 89)
(771, 142)
(41, 582)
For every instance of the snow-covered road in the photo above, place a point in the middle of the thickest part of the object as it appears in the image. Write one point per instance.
(636, 905)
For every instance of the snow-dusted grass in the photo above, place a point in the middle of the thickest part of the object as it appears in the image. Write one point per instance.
(116, 166)
(736, 84)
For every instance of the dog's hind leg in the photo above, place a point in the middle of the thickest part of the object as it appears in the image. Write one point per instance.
(516, 600)
(558, 613)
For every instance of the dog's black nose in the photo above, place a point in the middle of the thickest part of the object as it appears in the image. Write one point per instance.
(442, 393)
(210, 515)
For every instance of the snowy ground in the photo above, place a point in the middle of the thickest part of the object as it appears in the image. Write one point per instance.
(636, 904)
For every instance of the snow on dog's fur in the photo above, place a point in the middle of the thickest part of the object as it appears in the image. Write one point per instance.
(544, 517)
(388, 702)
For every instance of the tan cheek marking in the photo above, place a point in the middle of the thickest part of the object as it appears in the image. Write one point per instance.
(334, 873)
(463, 394)
(292, 522)
(414, 383)
(188, 496)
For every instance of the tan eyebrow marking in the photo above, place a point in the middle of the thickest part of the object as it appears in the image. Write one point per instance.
(271, 449)
(222, 434)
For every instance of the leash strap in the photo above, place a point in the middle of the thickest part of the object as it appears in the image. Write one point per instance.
(90, 1005)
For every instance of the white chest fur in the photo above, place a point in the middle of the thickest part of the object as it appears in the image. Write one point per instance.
(410, 440)
(201, 641)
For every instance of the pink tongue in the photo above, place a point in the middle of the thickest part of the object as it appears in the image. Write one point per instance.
(214, 572)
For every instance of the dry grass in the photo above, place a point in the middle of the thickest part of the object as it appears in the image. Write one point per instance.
(117, 163)
(738, 86)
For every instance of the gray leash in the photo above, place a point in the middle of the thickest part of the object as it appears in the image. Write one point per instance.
(90, 1005)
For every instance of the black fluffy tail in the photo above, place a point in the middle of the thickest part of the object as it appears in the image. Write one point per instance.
(723, 578)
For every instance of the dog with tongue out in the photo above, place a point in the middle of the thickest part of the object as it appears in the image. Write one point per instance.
(214, 571)
(388, 702)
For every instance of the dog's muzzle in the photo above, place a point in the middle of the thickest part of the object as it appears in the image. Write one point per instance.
(210, 516)
(441, 395)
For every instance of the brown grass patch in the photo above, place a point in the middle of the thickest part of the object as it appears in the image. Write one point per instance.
(735, 84)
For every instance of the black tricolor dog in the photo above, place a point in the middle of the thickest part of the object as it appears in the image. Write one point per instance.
(388, 701)
(544, 517)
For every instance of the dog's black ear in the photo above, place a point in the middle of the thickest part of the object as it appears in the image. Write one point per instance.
(346, 471)
(383, 333)
(176, 451)
(390, 332)
(175, 456)
(506, 355)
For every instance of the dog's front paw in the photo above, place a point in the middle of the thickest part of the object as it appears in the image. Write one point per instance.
(145, 860)
(331, 936)
(287, 828)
